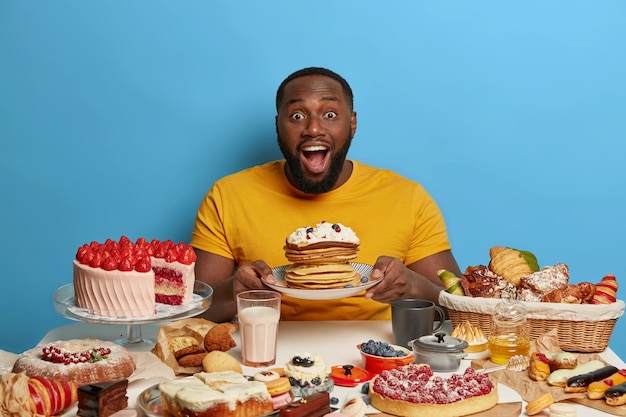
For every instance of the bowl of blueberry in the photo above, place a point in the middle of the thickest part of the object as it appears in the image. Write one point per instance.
(379, 356)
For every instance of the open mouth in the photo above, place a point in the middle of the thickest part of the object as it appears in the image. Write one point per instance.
(315, 158)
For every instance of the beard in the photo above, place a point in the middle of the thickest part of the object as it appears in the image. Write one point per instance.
(307, 185)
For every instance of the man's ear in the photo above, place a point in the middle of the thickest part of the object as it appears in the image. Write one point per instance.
(353, 123)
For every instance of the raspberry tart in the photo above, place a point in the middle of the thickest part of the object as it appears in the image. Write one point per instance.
(126, 279)
(414, 391)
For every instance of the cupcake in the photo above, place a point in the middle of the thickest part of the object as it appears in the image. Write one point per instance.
(308, 374)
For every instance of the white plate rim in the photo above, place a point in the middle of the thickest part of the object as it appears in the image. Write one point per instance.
(326, 294)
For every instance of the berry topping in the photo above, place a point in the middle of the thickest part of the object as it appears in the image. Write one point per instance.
(336, 228)
(126, 255)
(55, 354)
(382, 349)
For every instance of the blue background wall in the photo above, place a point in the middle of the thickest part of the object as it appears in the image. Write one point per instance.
(116, 117)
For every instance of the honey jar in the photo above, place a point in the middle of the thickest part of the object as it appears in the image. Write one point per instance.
(509, 335)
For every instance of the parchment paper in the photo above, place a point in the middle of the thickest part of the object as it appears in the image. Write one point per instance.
(194, 327)
(529, 389)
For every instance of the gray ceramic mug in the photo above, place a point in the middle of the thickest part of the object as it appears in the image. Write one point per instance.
(413, 318)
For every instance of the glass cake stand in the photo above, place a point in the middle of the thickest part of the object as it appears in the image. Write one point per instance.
(65, 304)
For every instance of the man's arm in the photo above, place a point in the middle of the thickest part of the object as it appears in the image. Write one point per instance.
(217, 271)
(428, 268)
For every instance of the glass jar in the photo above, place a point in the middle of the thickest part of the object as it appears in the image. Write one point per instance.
(509, 334)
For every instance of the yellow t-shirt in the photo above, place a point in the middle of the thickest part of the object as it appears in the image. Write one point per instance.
(248, 215)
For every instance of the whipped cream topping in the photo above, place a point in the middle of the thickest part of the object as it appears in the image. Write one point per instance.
(307, 373)
(323, 232)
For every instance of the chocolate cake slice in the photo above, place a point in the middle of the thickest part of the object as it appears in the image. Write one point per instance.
(103, 399)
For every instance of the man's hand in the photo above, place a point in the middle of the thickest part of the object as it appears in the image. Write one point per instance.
(394, 283)
(248, 277)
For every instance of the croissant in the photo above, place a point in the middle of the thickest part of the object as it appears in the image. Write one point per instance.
(23, 396)
(572, 294)
(512, 264)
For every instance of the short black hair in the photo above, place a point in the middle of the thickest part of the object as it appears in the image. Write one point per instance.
(315, 71)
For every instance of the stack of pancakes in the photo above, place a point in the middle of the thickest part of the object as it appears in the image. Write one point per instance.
(321, 257)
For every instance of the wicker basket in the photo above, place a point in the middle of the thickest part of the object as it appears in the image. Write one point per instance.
(580, 327)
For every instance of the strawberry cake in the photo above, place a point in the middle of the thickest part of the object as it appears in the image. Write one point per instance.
(413, 391)
(126, 279)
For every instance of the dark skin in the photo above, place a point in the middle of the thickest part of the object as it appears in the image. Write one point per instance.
(314, 123)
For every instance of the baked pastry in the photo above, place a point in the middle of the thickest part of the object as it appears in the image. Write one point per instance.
(539, 367)
(411, 391)
(354, 407)
(321, 257)
(606, 290)
(451, 282)
(473, 335)
(562, 410)
(81, 361)
(512, 264)
(539, 404)
(278, 387)
(308, 374)
(103, 399)
(220, 337)
(616, 395)
(24, 396)
(224, 394)
(562, 360)
(581, 293)
(560, 377)
(479, 281)
(596, 389)
(127, 279)
(218, 361)
(534, 286)
(580, 383)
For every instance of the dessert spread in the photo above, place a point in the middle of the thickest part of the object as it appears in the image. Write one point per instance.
(308, 374)
(321, 257)
(215, 394)
(413, 391)
(126, 279)
(81, 361)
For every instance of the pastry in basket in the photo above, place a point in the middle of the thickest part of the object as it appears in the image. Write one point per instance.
(24, 396)
(534, 286)
(606, 290)
(479, 281)
(473, 335)
(581, 293)
(81, 361)
(413, 391)
(512, 264)
(321, 256)
(451, 282)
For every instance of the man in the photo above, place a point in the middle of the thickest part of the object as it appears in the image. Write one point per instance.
(242, 223)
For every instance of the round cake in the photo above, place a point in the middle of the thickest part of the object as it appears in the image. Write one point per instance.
(126, 279)
(82, 361)
(414, 391)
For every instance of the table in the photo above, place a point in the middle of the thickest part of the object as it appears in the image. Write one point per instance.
(335, 341)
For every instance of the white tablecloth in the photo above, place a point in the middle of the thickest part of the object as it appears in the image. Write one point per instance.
(335, 341)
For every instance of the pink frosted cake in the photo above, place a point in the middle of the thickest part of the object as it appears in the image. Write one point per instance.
(126, 279)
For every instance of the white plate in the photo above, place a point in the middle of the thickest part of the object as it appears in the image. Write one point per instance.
(326, 294)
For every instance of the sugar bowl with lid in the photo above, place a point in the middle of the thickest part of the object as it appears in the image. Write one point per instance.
(441, 352)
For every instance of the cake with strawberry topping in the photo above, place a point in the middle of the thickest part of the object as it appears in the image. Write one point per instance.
(413, 391)
(321, 257)
(126, 279)
(80, 361)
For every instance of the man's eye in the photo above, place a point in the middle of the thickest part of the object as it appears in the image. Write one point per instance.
(331, 115)
(297, 116)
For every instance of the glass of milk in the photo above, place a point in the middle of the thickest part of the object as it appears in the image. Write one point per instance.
(258, 313)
